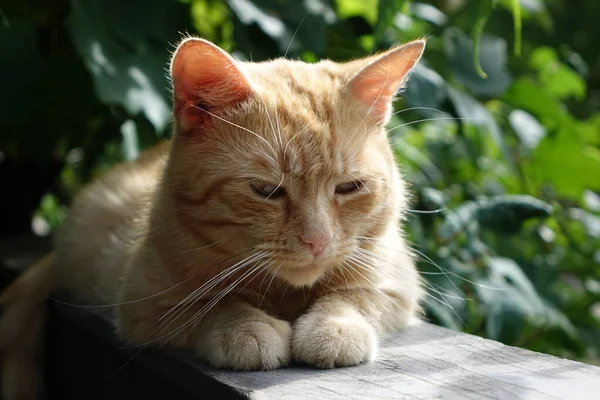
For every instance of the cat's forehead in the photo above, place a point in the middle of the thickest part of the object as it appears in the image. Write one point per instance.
(283, 73)
(302, 119)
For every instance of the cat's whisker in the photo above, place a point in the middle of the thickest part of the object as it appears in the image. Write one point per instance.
(188, 302)
(274, 160)
(376, 98)
(362, 183)
(147, 297)
(361, 264)
(277, 188)
(418, 108)
(283, 294)
(275, 135)
(428, 260)
(278, 126)
(209, 285)
(433, 119)
(207, 306)
(437, 211)
(256, 271)
(346, 266)
(343, 266)
(291, 140)
(447, 305)
(294, 36)
(441, 291)
(379, 179)
(362, 122)
(273, 275)
(368, 254)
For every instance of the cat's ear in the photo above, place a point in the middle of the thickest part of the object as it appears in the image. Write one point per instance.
(205, 78)
(376, 83)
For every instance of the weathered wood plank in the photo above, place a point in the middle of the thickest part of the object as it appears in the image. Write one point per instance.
(423, 362)
(427, 362)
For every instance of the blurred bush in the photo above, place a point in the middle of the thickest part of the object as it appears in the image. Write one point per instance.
(498, 131)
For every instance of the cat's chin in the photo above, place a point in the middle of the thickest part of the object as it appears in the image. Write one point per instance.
(300, 276)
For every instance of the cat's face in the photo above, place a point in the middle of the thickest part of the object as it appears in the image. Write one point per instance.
(286, 157)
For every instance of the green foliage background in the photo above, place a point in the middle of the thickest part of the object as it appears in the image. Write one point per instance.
(502, 147)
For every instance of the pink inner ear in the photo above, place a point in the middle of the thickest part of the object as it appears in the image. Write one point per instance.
(376, 84)
(204, 77)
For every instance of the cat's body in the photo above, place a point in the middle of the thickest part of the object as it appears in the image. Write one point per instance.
(267, 230)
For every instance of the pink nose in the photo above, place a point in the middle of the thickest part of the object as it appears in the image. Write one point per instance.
(316, 243)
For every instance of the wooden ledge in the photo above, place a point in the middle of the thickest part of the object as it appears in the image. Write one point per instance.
(84, 361)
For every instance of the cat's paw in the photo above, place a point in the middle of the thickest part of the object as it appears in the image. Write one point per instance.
(250, 345)
(328, 341)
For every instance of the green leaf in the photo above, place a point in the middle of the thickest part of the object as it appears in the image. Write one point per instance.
(457, 221)
(483, 10)
(126, 56)
(386, 12)
(426, 88)
(501, 213)
(459, 53)
(526, 94)
(366, 9)
(556, 77)
(48, 101)
(473, 113)
(51, 210)
(293, 26)
(428, 13)
(507, 213)
(579, 170)
(511, 300)
(516, 10)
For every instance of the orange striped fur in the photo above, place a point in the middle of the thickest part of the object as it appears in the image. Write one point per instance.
(326, 272)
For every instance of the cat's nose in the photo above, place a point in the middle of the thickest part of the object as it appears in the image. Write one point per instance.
(316, 243)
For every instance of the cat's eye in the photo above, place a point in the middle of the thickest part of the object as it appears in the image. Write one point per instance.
(268, 190)
(349, 187)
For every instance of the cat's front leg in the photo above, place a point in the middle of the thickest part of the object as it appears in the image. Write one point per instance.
(242, 337)
(233, 335)
(341, 328)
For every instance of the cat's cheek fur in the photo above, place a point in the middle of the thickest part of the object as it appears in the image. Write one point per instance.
(326, 340)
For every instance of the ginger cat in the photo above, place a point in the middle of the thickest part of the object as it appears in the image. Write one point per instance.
(266, 231)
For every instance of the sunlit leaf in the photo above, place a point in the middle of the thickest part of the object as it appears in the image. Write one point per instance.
(125, 48)
(555, 76)
(579, 171)
(526, 94)
(529, 130)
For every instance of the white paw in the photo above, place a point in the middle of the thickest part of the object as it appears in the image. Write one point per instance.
(328, 341)
(249, 345)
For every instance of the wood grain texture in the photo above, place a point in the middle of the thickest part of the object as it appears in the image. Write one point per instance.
(428, 362)
(423, 362)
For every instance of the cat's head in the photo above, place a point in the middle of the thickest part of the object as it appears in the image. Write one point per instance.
(286, 157)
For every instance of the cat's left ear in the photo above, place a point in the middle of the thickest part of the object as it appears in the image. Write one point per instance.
(375, 84)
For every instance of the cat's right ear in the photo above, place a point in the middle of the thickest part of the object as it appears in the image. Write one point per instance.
(205, 79)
